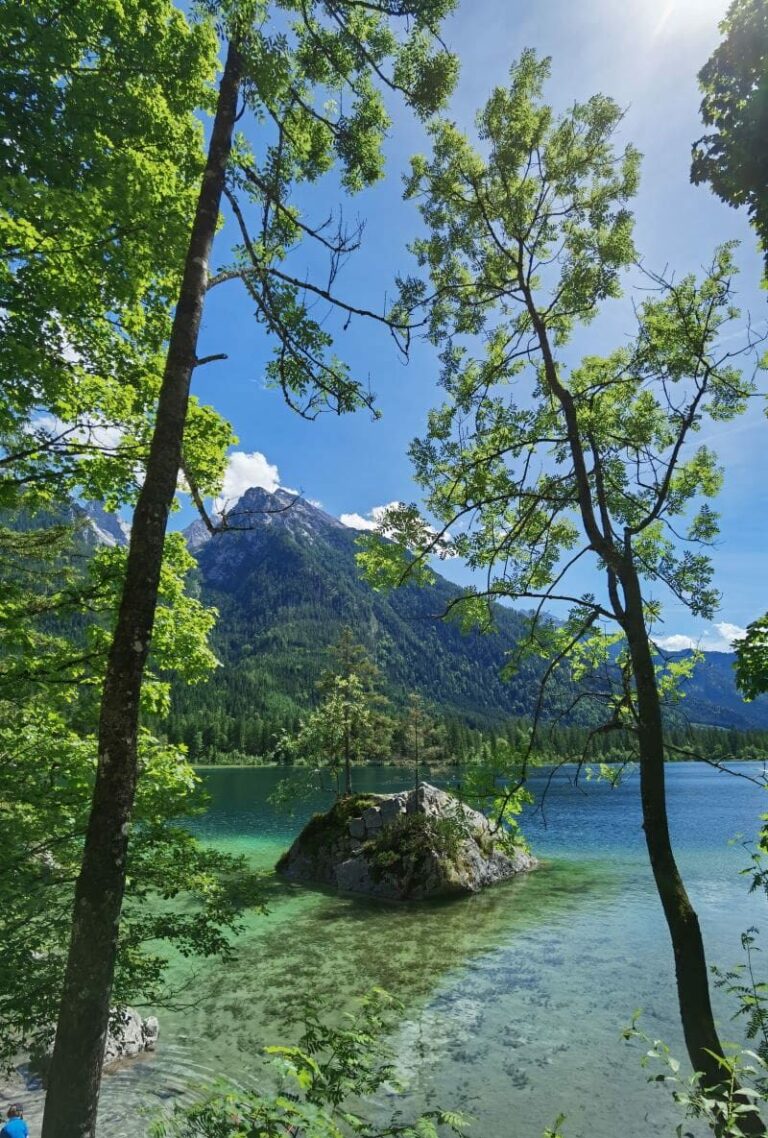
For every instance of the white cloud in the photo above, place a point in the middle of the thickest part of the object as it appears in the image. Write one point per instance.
(104, 436)
(244, 470)
(730, 632)
(675, 643)
(371, 521)
(442, 547)
(718, 638)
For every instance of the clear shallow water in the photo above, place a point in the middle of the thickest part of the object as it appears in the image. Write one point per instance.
(515, 1000)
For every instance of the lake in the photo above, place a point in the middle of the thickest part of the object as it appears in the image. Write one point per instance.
(514, 1000)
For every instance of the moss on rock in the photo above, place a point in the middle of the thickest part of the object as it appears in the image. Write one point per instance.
(332, 826)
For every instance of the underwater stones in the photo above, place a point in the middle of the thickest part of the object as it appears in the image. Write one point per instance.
(407, 846)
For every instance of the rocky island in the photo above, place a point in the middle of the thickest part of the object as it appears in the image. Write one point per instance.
(408, 846)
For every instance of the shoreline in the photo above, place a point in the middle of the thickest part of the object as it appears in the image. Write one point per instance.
(447, 768)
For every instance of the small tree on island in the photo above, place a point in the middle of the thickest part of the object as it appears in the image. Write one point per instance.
(422, 738)
(351, 723)
(536, 463)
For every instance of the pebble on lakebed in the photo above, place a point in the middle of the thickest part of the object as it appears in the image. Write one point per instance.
(408, 846)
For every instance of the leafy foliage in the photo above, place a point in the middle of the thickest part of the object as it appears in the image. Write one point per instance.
(752, 659)
(100, 154)
(734, 85)
(57, 607)
(494, 782)
(401, 846)
(532, 463)
(535, 462)
(423, 739)
(101, 146)
(180, 894)
(350, 724)
(725, 1107)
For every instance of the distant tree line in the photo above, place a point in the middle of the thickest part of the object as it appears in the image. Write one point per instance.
(251, 740)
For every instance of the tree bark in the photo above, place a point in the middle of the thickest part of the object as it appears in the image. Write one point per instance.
(692, 976)
(75, 1072)
(347, 761)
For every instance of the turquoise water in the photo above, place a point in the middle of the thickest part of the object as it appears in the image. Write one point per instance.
(515, 999)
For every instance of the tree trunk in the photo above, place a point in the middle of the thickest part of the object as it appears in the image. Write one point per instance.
(75, 1072)
(692, 976)
(347, 762)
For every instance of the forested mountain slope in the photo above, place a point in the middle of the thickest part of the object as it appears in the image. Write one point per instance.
(286, 587)
(286, 583)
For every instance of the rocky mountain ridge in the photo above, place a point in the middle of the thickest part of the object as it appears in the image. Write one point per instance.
(285, 580)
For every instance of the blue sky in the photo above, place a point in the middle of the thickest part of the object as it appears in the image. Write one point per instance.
(645, 54)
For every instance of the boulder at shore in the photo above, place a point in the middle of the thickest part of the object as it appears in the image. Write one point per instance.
(402, 847)
(129, 1034)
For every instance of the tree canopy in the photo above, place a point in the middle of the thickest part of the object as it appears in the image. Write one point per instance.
(731, 157)
(101, 151)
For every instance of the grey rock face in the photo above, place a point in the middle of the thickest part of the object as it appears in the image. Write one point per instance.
(402, 847)
(371, 819)
(129, 1035)
(357, 827)
(126, 1036)
(392, 807)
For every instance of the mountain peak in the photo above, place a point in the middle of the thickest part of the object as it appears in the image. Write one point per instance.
(258, 508)
(108, 528)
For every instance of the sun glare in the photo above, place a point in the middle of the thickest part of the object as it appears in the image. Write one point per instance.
(675, 16)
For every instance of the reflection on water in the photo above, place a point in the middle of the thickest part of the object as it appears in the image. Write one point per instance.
(514, 1000)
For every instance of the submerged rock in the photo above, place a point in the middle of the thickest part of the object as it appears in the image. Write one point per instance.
(403, 847)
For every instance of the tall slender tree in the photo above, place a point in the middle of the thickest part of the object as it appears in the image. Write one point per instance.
(100, 152)
(282, 59)
(351, 724)
(423, 738)
(536, 463)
